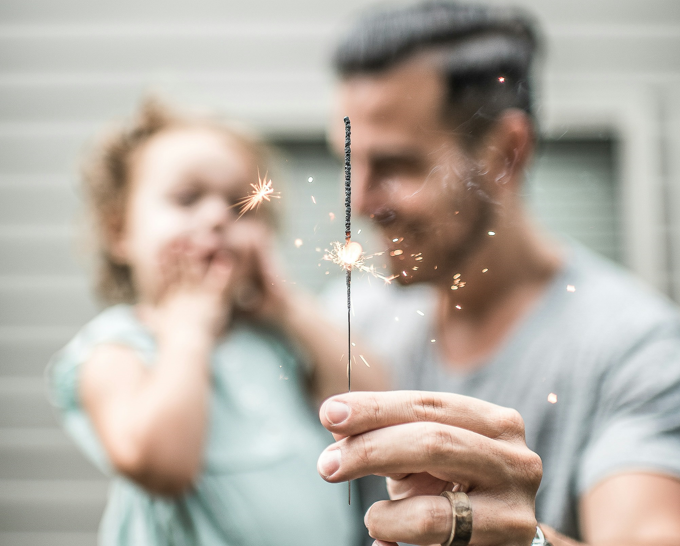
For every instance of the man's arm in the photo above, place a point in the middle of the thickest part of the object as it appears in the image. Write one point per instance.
(637, 509)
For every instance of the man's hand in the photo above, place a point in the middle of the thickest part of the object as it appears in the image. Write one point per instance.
(428, 442)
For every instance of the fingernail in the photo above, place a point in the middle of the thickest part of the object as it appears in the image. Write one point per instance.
(336, 412)
(329, 462)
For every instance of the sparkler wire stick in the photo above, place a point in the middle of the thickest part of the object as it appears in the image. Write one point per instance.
(348, 273)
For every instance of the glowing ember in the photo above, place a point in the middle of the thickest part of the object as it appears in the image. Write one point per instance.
(571, 288)
(552, 398)
(492, 233)
(485, 270)
(262, 191)
(352, 256)
(501, 79)
(298, 243)
(457, 282)
(396, 253)
(458, 307)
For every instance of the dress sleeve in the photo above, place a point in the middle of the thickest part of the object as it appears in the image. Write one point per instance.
(115, 325)
(637, 427)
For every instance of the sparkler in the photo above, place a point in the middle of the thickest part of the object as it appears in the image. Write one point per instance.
(262, 191)
(349, 253)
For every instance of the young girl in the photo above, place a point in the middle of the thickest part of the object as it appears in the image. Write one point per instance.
(187, 392)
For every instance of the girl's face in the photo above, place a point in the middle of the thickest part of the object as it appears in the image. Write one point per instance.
(184, 184)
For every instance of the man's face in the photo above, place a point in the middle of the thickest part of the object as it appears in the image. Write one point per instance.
(410, 174)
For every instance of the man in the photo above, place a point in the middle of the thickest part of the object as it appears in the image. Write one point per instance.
(439, 96)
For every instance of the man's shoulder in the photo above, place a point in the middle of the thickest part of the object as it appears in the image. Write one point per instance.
(605, 295)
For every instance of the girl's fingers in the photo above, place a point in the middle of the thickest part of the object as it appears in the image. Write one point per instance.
(219, 272)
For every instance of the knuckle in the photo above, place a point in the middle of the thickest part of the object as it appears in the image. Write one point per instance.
(373, 410)
(431, 518)
(533, 468)
(426, 406)
(510, 423)
(437, 442)
(364, 448)
(525, 527)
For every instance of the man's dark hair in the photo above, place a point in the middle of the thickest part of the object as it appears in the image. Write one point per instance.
(486, 54)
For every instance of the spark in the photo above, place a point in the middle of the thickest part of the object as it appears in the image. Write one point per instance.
(457, 282)
(420, 313)
(396, 253)
(432, 340)
(571, 288)
(351, 256)
(501, 79)
(298, 243)
(552, 398)
(485, 270)
(492, 233)
(262, 191)
(458, 307)
(365, 362)
(331, 216)
(313, 200)
(310, 180)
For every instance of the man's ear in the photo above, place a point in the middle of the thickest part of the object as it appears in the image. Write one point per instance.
(506, 150)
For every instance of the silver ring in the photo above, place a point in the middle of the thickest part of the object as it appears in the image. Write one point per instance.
(461, 528)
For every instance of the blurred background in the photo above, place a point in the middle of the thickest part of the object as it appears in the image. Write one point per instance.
(608, 171)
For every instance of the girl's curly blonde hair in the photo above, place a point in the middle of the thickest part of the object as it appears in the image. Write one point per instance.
(106, 174)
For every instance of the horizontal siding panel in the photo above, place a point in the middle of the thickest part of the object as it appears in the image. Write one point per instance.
(43, 506)
(46, 305)
(31, 204)
(309, 11)
(23, 403)
(32, 253)
(27, 354)
(104, 98)
(42, 454)
(159, 54)
(50, 538)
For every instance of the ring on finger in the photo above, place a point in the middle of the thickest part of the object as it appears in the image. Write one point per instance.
(461, 528)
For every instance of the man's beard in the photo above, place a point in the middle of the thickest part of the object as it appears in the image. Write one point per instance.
(453, 257)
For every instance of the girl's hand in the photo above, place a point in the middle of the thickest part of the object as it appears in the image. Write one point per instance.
(259, 292)
(194, 292)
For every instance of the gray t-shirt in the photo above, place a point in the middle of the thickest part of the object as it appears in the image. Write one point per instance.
(598, 342)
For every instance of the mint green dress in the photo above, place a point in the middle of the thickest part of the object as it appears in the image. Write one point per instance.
(259, 485)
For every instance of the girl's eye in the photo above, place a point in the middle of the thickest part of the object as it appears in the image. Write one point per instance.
(187, 198)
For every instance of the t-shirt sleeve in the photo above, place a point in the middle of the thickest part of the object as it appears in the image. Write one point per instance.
(637, 426)
(114, 325)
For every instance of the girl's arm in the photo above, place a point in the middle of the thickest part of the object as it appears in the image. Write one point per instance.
(302, 320)
(152, 420)
(325, 345)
